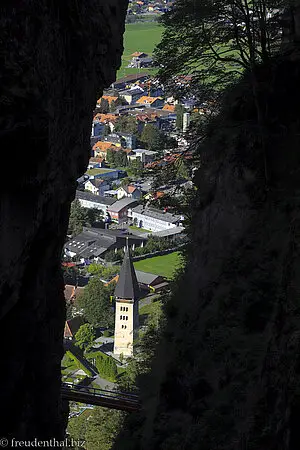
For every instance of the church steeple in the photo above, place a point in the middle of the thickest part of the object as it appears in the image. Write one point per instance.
(127, 293)
(127, 286)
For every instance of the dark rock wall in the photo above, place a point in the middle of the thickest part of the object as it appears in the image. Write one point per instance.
(56, 57)
(226, 376)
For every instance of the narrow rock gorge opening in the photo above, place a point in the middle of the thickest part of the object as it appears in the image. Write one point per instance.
(56, 58)
(225, 374)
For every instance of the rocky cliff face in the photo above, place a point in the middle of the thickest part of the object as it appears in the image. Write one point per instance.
(227, 371)
(56, 57)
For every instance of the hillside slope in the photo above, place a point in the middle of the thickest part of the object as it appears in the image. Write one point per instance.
(226, 375)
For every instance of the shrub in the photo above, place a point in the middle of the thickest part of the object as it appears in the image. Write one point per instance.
(106, 333)
(105, 365)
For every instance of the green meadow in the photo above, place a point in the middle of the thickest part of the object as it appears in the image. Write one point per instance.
(165, 265)
(139, 37)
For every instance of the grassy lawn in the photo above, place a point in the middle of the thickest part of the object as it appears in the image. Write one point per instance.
(151, 309)
(68, 365)
(161, 265)
(139, 37)
(97, 171)
(133, 227)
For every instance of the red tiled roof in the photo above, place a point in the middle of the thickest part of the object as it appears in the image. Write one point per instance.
(168, 107)
(130, 189)
(147, 100)
(103, 146)
(106, 117)
(109, 98)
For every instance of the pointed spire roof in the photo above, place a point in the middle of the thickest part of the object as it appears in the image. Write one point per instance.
(127, 285)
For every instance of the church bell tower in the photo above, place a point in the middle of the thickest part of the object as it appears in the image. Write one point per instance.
(127, 294)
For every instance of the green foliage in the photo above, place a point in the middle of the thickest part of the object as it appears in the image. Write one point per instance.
(104, 106)
(106, 273)
(112, 256)
(94, 215)
(115, 104)
(116, 158)
(106, 333)
(77, 427)
(105, 365)
(155, 140)
(96, 304)
(154, 244)
(78, 363)
(85, 337)
(125, 181)
(127, 124)
(136, 167)
(215, 41)
(102, 428)
(179, 109)
(78, 218)
(165, 265)
(107, 130)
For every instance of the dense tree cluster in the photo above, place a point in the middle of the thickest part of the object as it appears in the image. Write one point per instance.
(127, 124)
(85, 337)
(99, 432)
(96, 302)
(116, 158)
(216, 41)
(80, 217)
(154, 244)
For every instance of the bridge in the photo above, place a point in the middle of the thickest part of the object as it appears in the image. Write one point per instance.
(100, 397)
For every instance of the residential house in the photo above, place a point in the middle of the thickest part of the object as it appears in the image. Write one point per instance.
(146, 156)
(96, 186)
(147, 281)
(109, 98)
(72, 326)
(128, 80)
(101, 147)
(97, 128)
(72, 292)
(140, 59)
(154, 219)
(129, 191)
(168, 107)
(93, 141)
(137, 55)
(96, 163)
(107, 119)
(153, 102)
(119, 211)
(145, 62)
(150, 281)
(132, 95)
(128, 140)
(95, 243)
(115, 139)
(92, 201)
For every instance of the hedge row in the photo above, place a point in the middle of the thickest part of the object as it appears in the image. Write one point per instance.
(105, 365)
(79, 363)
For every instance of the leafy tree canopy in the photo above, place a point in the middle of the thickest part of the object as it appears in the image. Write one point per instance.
(96, 303)
(85, 337)
(127, 124)
(216, 40)
(78, 218)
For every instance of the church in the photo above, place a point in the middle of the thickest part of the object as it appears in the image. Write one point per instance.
(127, 294)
